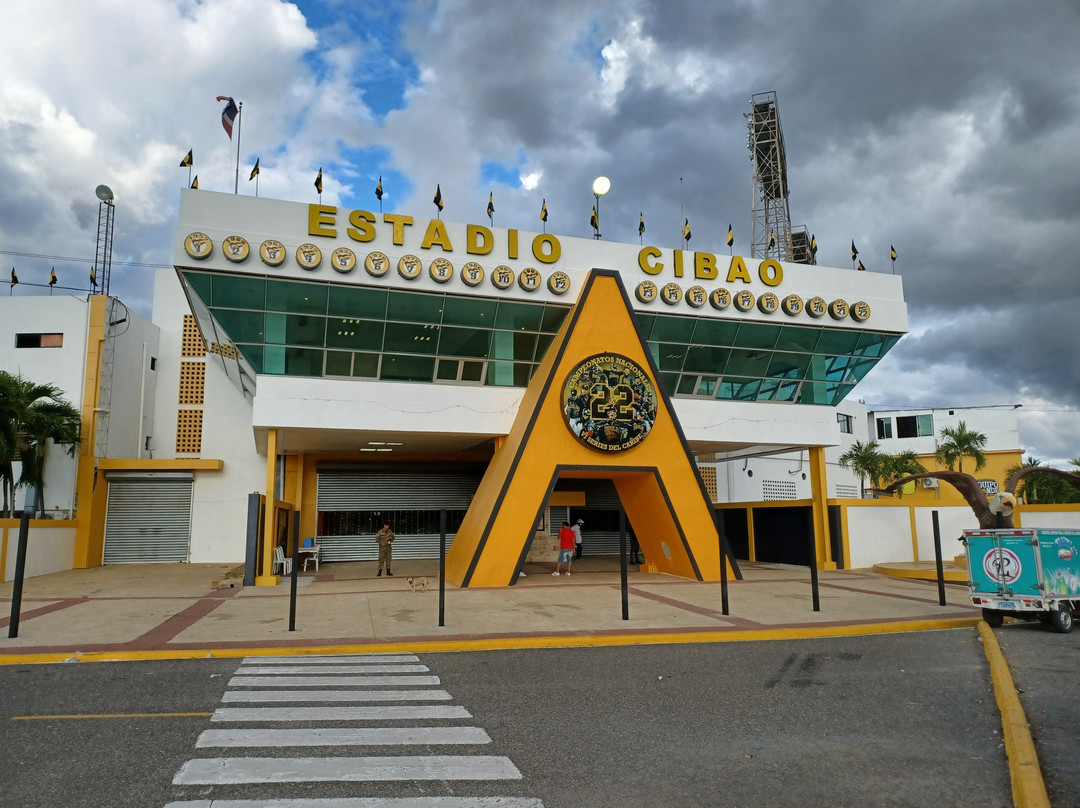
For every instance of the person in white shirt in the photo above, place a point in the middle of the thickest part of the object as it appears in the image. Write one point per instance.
(577, 537)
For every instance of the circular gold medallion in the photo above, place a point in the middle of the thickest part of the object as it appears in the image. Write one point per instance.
(838, 309)
(236, 249)
(768, 303)
(816, 306)
(609, 403)
(408, 267)
(272, 253)
(792, 305)
(472, 274)
(441, 270)
(308, 256)
(645, 292)
(530, 279)
(198, 246)
(502, 277)
(696, 296)
(671, 293)
(558, 283)
(720, 299)
(744, 300)
(343, 260)
(377, 264)
(860, 311)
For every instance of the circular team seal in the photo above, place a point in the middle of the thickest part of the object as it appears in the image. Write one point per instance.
(792, 305)
(272, 253)
(198, 246)
(609, 403)
(645, 292)
(472, 274)
(530, 279)
(696, 296)
(838, 309)
(671, 293)
(308, 256)
(720, 299)
(408, 267)
(1004, 568)
(816, 306)
(860, 311)
(236, 249)
(744, 300)
(441, 270)
(768, 303)
(376, 264)
(558, 283)
(502, 277)
(343, 260)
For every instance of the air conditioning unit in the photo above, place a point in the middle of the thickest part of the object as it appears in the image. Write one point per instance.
(929, 482)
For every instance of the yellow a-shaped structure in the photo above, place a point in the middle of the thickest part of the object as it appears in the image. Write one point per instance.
(626, 432)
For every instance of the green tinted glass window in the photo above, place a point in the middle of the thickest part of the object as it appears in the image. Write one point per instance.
(474, 312)
(238, 293)
(542, 343)
(414, 308)
(472, 371)
(411, 338)
(687, 385)
(241, 326)
(707, 386)
(715, 332)
(738, 389)
(749, 363)
(254, 355)
(706, 359)
(447, 370)
(296, 296)
(669, 328)
(303, 329)
(346, 332)
(858, 368)
(200, 283)
(836, 341)
(790, 365)
(464, 342)
(553, 318)
(500, 374)
(357, 301)
(755, 335)
(365, 365)
(668, 382)
(303, 362)
(338, 363)
(407, 368)
(671, 356)
(873, 344)
(519, 316)
(797, 338)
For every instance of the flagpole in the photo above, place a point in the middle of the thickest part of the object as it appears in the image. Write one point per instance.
(239, 121)
(682, 212)
(256, 185)
(189, 175)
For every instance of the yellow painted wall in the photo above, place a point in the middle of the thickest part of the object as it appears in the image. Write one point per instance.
(945, 494)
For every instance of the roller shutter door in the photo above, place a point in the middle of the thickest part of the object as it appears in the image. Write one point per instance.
(148, 520)
(390, 492)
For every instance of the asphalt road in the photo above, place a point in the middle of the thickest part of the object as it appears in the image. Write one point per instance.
(890, 720)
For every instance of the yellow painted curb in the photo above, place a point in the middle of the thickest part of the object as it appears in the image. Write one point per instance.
(503, 643)
(1028, 788)
(952, 576)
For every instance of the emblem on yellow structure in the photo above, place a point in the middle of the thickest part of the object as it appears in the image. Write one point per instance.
(198, 246)
(609, 403)
(272, 253)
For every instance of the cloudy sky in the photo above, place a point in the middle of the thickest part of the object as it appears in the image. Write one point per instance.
(948, 129)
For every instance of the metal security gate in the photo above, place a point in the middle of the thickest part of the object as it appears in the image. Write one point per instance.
(148, 519)
(352, 504)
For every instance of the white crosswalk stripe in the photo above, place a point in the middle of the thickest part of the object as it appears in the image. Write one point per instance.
(326, 691)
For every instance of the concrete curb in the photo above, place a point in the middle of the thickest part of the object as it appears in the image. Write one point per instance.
(500, 643)
(1028, 788)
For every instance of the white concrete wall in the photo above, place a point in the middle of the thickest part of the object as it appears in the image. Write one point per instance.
(1052, 519)
(134, 384)
(1000, 424)
(49, 547)
(952, 522)
(878, 534)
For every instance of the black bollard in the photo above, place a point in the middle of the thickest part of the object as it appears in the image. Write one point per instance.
(622, 565)
(937, 555)
(295, 570)
(20, 570)
(442, 567)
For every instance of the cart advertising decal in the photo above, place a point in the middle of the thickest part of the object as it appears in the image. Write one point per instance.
(1002, 565)
(1060, 563)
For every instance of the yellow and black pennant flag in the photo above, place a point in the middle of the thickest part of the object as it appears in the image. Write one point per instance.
(860, 267)
(593, 221)
(730, 235)
(52, 277)
(772, 240)
(14, 277)
(543, 211)
(93, 277)
(854, 252)
(318, 180)
(892, 252)
(378, 189)
(254, 171)
(438, 197)
(195, 183)
(686, 231)
(813, 245)
(188, 161)
(491, 204)
(641, 225)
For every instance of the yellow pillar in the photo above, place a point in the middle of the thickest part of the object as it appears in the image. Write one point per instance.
(89, 535)
(819, 492)
(268, 578)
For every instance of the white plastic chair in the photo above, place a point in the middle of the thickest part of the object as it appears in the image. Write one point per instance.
(282, 561)
(310, 552)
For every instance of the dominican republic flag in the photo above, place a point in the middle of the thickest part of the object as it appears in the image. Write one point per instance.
(228, 115)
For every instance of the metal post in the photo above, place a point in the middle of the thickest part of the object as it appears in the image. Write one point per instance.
(719, 521)
(622, 565)
(295, 568)
(442, 567)
(20, 571)
(251, 556)
(813, 562)
(937, 555)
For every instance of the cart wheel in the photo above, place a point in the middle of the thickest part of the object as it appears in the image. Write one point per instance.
(1062, 619)
(993, 618)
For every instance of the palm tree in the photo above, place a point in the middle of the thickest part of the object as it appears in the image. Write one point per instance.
(1037, 488)
(866, 460)
(959, 442)
(31, 414)
(901, 465)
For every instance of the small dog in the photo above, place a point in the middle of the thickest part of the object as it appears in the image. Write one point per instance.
(417, 584)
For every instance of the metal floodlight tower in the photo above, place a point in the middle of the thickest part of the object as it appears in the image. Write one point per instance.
(771, 216)
(103, 253)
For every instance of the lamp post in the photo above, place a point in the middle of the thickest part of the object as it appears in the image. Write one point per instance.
(601, 185)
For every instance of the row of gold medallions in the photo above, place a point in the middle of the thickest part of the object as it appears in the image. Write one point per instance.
(273, 253)
(744, 300)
